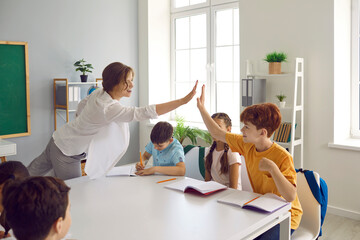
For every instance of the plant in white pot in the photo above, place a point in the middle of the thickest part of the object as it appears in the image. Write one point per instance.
(281, 98)
(83, 67)
(274, 59)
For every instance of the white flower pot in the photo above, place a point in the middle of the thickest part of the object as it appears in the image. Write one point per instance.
(282, 104)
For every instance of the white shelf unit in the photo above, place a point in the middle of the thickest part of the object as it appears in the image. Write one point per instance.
(296, 107)
(63, 109)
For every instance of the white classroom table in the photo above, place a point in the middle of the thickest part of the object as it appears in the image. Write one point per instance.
(139, 208)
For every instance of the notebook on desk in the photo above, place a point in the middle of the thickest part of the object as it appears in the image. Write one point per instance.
(268, 202)
(128, 170)
(190, 184)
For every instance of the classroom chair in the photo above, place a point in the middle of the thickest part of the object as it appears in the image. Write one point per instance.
(310, 224)
(83, 163)
(194, 162)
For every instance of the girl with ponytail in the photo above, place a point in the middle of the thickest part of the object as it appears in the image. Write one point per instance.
(222, 165)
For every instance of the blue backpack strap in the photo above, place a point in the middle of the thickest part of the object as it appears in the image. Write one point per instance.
(320, 193)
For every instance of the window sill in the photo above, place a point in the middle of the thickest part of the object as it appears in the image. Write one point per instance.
(346, 144)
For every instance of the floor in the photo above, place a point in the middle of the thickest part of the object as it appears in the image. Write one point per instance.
(340, 228)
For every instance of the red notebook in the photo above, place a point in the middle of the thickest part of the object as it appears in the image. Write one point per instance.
(190, 184)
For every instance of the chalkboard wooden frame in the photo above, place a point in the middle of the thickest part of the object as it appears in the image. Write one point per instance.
(23, 80)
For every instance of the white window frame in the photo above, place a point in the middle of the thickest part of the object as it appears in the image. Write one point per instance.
(191, 7)
(209, 8)
(345, 71)
(213, 101)
(173, 48)
(355, 34)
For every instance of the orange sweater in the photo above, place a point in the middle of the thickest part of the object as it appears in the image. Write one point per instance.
(261, 181)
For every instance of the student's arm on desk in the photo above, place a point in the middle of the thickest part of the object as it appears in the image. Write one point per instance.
(146, 156)
(178, 170)
(285, 188)
(207, 176)
(234, 175)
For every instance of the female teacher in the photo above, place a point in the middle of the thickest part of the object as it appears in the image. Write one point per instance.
(100, 126)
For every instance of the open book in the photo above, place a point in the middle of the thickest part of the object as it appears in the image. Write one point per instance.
(268, 202)
(189, 184)
(127, 170)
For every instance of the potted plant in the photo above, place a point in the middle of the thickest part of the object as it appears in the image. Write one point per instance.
(274, 59)
(83, 67)
(181, 132)
(281, 98)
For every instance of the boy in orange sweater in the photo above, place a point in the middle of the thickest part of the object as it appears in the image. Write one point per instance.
(270, 167)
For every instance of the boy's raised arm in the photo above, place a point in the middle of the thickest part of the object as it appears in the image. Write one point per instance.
(213, 128)
(234, 175)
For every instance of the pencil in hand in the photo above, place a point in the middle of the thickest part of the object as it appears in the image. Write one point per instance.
(141, 160)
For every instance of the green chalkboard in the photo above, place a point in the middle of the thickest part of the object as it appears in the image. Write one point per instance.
(14, 90)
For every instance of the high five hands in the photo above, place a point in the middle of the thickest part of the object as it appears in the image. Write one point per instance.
(201, 99)
(188, 97)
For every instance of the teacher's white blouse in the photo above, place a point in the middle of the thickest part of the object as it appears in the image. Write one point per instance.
(98, 116)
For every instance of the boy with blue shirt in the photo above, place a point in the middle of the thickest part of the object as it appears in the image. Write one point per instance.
(168, 153)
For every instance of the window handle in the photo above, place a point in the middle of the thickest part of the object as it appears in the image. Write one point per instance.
(210, 67)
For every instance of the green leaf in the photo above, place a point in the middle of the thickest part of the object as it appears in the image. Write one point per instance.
(281, 97)
(182, 132)
(276, 57)
(82, 67)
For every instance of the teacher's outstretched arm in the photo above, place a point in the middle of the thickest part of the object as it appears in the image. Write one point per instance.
(169, 106)
(211, 125)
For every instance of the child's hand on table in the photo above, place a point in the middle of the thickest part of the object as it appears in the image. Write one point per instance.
(144, 172)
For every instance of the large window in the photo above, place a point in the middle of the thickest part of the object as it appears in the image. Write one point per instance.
(205, 47)
(355, 88)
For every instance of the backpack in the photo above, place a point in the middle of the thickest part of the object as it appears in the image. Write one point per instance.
(201, 158)
(320, 193)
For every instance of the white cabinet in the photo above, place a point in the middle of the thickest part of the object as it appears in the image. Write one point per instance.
(67, 95)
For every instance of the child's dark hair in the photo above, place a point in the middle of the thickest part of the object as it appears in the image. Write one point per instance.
(12, 170)
(265, 115)
(34, 204)
(161, 132)
(224, 161)
(115, 73)
(9, 171)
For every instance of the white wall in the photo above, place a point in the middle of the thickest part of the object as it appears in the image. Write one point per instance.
(59, 33)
